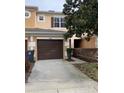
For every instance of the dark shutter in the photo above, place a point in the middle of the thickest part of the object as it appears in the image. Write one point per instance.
(69, 43)
(51, 21)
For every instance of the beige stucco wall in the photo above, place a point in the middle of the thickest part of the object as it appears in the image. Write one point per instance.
(46, 24)
(33, 22)
(88, 44)
(30, 22)
(93, 43)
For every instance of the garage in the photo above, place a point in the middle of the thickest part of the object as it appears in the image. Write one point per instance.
(49, 49)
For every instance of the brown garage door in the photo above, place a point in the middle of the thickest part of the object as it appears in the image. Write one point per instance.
(50, 49)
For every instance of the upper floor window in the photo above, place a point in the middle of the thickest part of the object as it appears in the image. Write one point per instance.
(27, 14)
(58, 22)
(41, 18)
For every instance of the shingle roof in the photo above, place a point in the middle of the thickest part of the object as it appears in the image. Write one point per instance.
(31, 7)
(40, 32)
(49, 12)
(45, 12)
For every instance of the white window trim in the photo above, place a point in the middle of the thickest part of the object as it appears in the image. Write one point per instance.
(59, 21)
(29, 14)
(60, 16)
(41, 20)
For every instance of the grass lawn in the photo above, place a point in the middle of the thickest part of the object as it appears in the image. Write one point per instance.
(90, 69)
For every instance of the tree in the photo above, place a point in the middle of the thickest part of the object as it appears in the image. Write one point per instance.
(81, 18)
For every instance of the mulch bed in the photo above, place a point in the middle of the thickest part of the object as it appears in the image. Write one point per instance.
(70, 60)
(90, 69)
(28, 70)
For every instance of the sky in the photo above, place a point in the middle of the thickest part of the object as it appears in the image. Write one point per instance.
(45, 5)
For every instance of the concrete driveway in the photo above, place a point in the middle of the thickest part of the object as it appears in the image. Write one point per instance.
(57, 76)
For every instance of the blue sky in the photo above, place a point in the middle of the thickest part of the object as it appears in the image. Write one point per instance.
(56, 5)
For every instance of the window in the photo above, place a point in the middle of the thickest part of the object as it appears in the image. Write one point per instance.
(58, 22)
(27, 14)
(62, 22)
(41, 18)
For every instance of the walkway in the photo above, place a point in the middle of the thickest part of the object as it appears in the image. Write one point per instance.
(56, 76)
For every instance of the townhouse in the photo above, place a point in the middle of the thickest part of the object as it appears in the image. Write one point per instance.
(44, 34)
